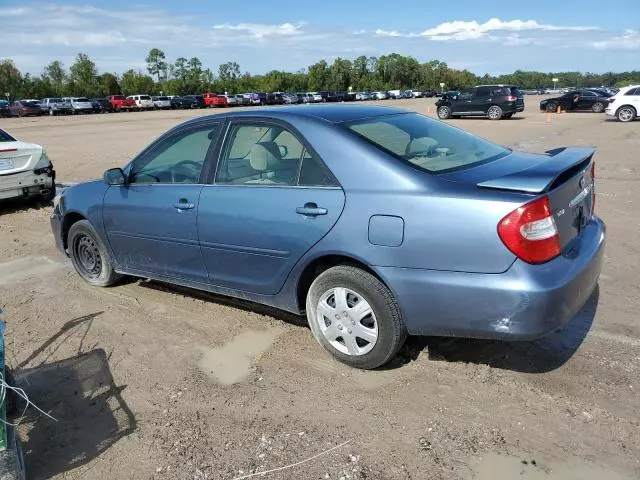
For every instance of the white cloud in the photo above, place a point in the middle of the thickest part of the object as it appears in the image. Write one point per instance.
(629, 41)
(388, 33)
(260, 31)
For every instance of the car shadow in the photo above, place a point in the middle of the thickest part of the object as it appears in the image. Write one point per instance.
(240, 304)
(537, 356)
(81, 394)
(22, 205)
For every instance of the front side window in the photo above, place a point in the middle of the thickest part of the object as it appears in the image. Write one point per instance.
(177, 159)
(466, 94)
(427, 144)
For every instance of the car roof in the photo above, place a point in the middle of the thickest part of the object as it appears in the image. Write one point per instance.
(330, 113)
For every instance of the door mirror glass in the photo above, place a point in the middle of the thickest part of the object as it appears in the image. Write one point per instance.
(114, 176)
(284, 151)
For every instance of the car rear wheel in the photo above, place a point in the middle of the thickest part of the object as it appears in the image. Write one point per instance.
(354, 316)
(494, 112)
(444, 112)
(626, 114)
(89, 255)
(598, 107)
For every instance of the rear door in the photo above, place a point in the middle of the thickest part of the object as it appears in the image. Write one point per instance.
(482, 99)
(272, 200)
(151, 222)
(586, 100)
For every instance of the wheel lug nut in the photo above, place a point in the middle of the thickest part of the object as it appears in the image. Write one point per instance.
(349, 330)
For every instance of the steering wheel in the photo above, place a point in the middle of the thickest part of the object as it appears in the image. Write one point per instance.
(185, 170)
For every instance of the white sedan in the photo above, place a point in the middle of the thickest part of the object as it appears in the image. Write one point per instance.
(25, 170)
(625, 105)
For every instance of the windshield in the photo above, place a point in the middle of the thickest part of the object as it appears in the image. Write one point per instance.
(424, 143)
(145, 97)
(81, 99)
(5, 137)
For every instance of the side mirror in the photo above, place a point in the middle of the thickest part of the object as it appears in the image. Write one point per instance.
(114, 176)
(284, 151)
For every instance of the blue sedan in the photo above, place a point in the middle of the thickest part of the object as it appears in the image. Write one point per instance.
(375, 222)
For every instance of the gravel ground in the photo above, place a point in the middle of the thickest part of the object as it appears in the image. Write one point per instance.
(151, 382)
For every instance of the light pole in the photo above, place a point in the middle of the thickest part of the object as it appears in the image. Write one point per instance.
(442, 87)
(554, 80)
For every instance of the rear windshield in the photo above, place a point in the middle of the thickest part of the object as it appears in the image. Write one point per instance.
(5, 137)
(425, 143)
(81, 99)
(145, 97)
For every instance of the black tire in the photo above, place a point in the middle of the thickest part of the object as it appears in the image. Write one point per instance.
(598, 107)
(391, 330)
(626, 113)
(49, 197)
(52, 113)
(444, 112)
(89, 256)
(494, 112)
(507, 116)
(11, 460)
(552, 107)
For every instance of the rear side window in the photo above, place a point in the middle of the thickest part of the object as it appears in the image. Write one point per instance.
(5, 137)
(427, 144)
(633, 91)
(483, 91)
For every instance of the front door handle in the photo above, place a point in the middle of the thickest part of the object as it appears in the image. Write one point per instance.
(311, 210)
(184, 204)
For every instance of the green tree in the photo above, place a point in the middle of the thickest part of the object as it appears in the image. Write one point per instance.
(108, 85)
(156, 63)
(83, 76)
(57, 76)
(10, 79)
(133, 83)
(318, 76)
(228, 74)
(180, 68)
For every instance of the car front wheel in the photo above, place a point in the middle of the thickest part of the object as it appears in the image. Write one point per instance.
(626, 114)
(494, 112)
(90, 256)
(354, 316)
(444, 112)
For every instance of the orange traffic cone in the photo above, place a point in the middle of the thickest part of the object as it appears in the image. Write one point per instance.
(559, 109)
(548, 117)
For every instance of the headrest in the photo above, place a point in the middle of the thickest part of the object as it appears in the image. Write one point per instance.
(421, 144)
(264, 156)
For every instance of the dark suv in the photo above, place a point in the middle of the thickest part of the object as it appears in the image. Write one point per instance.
(492, 101)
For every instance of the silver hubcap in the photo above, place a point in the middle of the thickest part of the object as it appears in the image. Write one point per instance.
(443, 112)
(494, 112)
(625, 115)
(347, 321)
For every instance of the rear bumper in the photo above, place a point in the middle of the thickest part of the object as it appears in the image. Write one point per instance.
(26, 184)
(523, 303)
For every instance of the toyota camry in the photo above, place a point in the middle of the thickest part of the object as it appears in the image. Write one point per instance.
(374, 222)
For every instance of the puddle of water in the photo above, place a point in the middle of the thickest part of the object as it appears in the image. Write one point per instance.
(502, 467)
(27, 267)
(231, 363)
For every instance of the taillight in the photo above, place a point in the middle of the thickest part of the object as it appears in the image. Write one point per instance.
(530, 232)
(612, 99)
(593, 187)
(511, 98)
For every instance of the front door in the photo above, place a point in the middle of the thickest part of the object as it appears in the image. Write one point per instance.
(151, 222)
(463, 103)
(272, 200)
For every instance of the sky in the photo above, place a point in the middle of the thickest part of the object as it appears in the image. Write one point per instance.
(485, 37)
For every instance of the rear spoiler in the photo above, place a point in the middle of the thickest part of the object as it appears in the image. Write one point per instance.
(538, 178)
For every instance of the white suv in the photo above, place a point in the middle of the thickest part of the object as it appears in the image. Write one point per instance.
(625, 105)
(143, 102)
(25, 170)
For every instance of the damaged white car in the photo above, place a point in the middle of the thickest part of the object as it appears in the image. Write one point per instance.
(25, 170)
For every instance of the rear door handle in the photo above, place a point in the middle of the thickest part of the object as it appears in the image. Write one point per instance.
(311, 210)
(184, 204)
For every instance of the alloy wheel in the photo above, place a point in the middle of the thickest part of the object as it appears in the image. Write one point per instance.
(625, 114)
(494, 113)
(347, 321)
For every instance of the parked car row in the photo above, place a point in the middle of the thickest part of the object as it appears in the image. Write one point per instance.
(624, 105)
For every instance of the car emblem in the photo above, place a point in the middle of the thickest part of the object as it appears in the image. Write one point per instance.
(583, 182)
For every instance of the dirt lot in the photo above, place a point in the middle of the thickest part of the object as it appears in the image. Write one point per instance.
(150, 382)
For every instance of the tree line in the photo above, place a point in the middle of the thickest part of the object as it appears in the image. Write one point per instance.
(187, 76)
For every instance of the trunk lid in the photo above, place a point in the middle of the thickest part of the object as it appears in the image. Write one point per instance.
(18, 156)
(565, 175)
